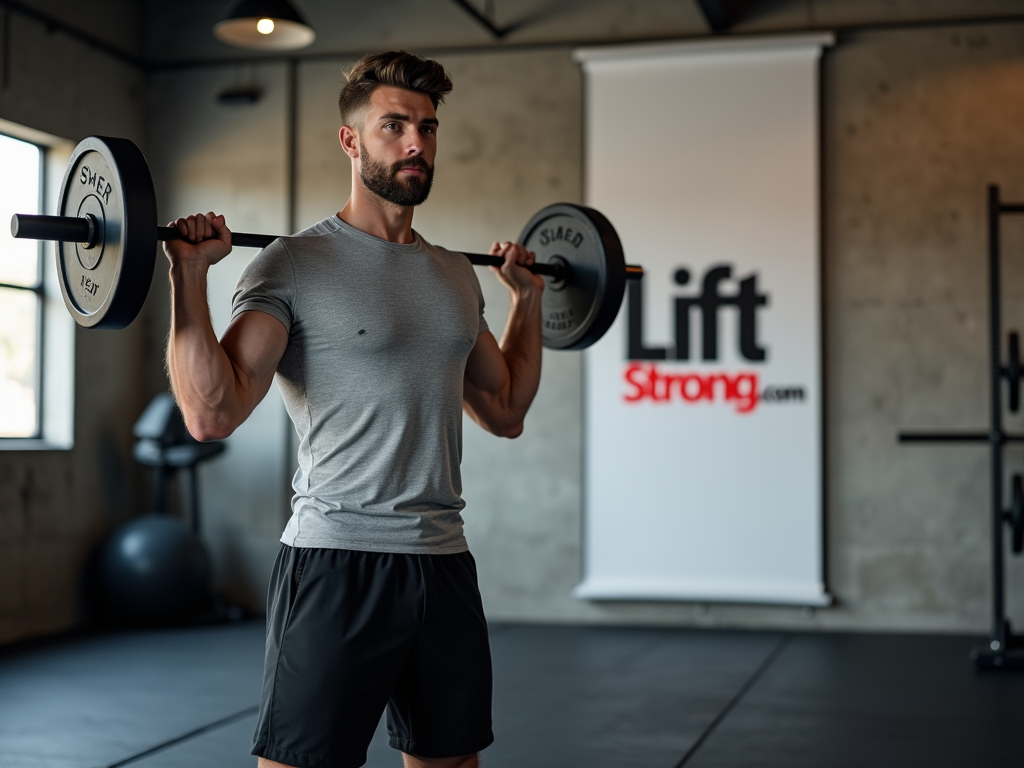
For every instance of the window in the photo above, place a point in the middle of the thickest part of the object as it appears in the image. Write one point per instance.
(37, 335)
(21, 294)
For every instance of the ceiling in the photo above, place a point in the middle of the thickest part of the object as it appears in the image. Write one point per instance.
(183, 31)
(163, 33)
(180, 30)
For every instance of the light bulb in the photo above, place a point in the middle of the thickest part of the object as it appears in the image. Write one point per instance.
(263, 25)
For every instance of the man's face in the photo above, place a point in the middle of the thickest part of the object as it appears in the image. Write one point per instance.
(397, 145)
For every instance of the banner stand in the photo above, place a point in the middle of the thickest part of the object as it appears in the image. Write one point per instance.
(703, 408)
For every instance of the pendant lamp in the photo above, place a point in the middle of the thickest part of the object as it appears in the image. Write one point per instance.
(267, 25)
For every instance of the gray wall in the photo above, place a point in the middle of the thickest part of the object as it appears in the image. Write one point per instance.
(915, 123)
(55, 505)
(232, 160)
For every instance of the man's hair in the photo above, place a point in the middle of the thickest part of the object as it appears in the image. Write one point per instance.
(396, 68)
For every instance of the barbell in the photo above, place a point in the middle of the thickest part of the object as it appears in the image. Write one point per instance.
(106, 236)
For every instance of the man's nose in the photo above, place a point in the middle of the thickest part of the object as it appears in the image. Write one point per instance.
(414, 145)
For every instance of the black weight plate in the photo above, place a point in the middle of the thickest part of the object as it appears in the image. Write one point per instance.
(104, 286)
(580, 310)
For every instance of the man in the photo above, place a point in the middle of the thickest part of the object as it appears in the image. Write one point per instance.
(378, 342)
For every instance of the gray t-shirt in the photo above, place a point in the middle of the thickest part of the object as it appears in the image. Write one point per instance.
(378, 337)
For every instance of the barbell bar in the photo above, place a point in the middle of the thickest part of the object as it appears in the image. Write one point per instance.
(75, 229)
(106, 236)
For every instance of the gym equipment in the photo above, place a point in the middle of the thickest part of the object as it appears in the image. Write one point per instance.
(106, 233)
(1013, 372)
(1005, 649)
(104, 276)
(1015, 514)
(155, 568)
(580, 304)
(166, 445)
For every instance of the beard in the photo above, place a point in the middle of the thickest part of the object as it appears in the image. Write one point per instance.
(384, 181)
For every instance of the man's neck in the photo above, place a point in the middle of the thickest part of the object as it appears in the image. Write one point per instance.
(375, 216)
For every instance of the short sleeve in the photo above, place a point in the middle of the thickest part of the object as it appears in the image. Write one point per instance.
(267, 284)
(480, 297)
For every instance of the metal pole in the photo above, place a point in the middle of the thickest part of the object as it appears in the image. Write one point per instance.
(160, 490)
(998, 639)
(193, 484)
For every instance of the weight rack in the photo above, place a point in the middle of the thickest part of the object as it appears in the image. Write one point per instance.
(1004, 649)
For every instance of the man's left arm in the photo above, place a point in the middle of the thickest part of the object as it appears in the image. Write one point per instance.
(502, 378)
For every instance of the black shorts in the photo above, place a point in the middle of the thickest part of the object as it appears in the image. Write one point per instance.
(349, 633)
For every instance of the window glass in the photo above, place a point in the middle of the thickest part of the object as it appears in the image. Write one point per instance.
(19, 363)
(19, 307)
(19, 259)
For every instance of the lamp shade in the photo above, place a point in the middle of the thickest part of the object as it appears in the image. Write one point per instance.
(247, 25)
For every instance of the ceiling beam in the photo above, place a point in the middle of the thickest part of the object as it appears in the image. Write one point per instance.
(721, 15)
(53, 24)
(483, 19)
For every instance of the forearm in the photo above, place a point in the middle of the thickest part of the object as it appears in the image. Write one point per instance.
(202, 375)
(522, 349)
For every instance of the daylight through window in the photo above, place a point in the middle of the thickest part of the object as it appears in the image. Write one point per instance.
(20, 293)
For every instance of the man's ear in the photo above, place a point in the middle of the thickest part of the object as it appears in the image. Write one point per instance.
(349, 141)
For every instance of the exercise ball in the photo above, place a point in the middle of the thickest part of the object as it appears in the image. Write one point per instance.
(153, 569)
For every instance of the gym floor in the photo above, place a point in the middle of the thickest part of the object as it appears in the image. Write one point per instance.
(564, 696)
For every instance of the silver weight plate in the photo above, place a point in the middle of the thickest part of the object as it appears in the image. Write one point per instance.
(578, 311)
(105, 282)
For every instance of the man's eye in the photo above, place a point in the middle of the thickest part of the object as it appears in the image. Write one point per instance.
(390, 126)
(427, 129)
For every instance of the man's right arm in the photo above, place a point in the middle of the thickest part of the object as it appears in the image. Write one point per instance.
(217, 383)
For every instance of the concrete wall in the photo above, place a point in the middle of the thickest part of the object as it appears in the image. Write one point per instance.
(231, 159)
(56, 505)
(915, 123)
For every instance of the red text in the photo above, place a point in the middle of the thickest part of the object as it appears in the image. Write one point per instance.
(648, 382)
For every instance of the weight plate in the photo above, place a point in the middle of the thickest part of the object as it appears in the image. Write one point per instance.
(578, 311)
(106, 282)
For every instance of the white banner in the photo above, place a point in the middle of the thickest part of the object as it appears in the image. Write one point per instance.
(703, 404)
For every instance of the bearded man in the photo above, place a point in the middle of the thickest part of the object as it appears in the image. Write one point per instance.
(378, 342)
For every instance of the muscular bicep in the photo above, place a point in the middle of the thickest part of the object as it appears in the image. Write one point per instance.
(487, 388)
(486, 370)
(255, 343)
